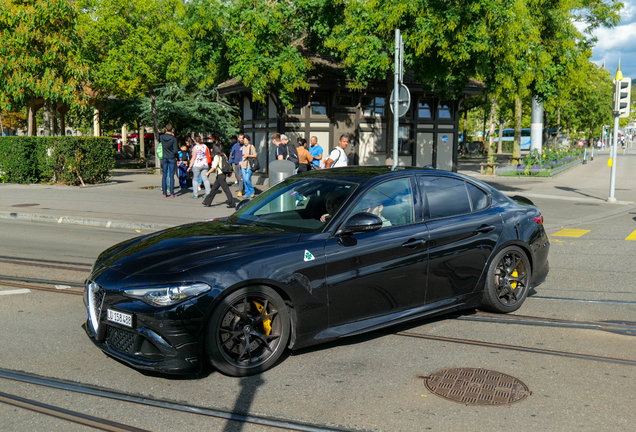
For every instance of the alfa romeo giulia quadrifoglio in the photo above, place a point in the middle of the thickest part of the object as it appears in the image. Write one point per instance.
(317, 257)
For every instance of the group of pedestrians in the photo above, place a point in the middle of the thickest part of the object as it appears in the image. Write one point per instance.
(310, 157)
(196, 157)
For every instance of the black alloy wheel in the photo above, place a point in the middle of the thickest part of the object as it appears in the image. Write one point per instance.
(508, 281)
(248, 331)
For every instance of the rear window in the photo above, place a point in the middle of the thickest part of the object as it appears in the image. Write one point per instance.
(478, 198)
(446, 196)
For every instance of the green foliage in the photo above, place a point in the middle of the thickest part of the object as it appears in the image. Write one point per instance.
(134, 45)
(69, 160)
(40, 52)
(19, 162)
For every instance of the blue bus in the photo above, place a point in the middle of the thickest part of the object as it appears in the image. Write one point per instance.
(509, 135)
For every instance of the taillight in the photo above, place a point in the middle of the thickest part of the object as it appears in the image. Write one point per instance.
(538, 219)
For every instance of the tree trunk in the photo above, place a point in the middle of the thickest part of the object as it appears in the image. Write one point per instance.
(142, 146)
(500, 142)
(516, 153)
(558, 120)
(546, 127)
(46, 116)
(491, 131)
(568, 128)
(155, 125)
(54, 128)
(483, 138)
(31, 120)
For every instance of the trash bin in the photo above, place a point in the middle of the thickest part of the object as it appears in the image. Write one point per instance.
(279, 170)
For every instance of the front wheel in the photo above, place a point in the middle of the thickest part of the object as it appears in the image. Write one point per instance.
(508, 281)
(248, 331)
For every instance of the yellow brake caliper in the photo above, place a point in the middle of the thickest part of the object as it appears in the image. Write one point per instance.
(513, 284)
(267, 324)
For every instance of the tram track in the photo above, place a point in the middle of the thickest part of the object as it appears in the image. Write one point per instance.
(103, 392)
(557, 353)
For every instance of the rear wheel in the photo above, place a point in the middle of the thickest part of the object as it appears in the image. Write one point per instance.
(507, 281)
(248, 331)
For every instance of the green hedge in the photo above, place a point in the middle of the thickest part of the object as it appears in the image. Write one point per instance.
(62, 159)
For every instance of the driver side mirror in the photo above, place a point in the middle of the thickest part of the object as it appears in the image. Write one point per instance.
(361, 223)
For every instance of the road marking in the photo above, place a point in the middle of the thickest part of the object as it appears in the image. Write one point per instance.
(62, 287)
(18, 291)
(108, 224)
(568, 232)
(632, 236)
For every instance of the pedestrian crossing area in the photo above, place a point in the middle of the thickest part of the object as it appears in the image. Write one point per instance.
(578, 233)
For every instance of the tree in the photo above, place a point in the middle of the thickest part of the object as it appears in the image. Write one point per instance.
(40, 53)
(135, 47)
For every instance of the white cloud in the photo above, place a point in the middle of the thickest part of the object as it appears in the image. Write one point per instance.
(618, 43)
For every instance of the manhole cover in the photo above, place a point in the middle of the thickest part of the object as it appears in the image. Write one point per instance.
(25, 205)
(472, 386)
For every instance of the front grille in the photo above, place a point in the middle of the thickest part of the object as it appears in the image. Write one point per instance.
(120, 340)
(96, 296)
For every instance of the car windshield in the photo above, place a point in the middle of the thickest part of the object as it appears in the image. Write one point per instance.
(297, 205)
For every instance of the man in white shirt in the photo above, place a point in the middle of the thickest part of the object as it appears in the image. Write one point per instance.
(338, 157)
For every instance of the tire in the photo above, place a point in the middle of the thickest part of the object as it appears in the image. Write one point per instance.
(240, 317)
(504, 291)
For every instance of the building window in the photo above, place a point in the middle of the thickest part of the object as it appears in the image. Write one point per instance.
(424, 109)
(444, 110)
(405, 143)
(260, 110)
(297, 109)
(319, 104)
(345, 100)
(373, 106)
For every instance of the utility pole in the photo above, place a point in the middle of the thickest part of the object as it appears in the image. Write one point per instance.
(396, 86)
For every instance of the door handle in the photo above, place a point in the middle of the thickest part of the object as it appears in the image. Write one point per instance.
(413, 243)
(485, 228)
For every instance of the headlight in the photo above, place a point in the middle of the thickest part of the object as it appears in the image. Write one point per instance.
(167, 295)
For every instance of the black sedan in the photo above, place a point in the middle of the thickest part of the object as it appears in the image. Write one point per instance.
(319, 256)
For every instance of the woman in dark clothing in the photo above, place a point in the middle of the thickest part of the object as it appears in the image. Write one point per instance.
(217, 164)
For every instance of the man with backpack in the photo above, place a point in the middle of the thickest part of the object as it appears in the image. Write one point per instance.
(338, 157)
(291, 153)
(170, 149)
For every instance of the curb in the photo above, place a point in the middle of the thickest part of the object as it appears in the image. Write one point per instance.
(71, 220)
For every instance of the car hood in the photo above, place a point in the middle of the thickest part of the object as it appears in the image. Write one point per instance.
(187, 246)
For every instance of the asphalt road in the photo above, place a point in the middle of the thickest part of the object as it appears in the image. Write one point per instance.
(370, 382)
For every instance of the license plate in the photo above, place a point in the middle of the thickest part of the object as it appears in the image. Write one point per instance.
(120, 318)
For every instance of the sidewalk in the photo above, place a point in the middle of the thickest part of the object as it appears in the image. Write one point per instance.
(134, 199)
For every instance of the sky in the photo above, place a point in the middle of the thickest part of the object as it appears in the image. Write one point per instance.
(618, 42)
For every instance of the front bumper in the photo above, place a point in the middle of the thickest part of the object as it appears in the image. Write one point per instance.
(164, 340)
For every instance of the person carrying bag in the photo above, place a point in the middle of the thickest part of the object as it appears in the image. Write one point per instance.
(219, 165)
(249, 165)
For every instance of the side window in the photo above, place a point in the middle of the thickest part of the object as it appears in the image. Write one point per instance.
(478, 198)
(446, 196)
(392, 201)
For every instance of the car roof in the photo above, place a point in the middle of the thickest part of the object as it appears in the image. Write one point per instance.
(366, 174)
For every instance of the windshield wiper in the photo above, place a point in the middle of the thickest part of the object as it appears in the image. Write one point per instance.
(261, 224)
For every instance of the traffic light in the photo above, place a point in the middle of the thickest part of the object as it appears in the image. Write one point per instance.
(621, 99)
